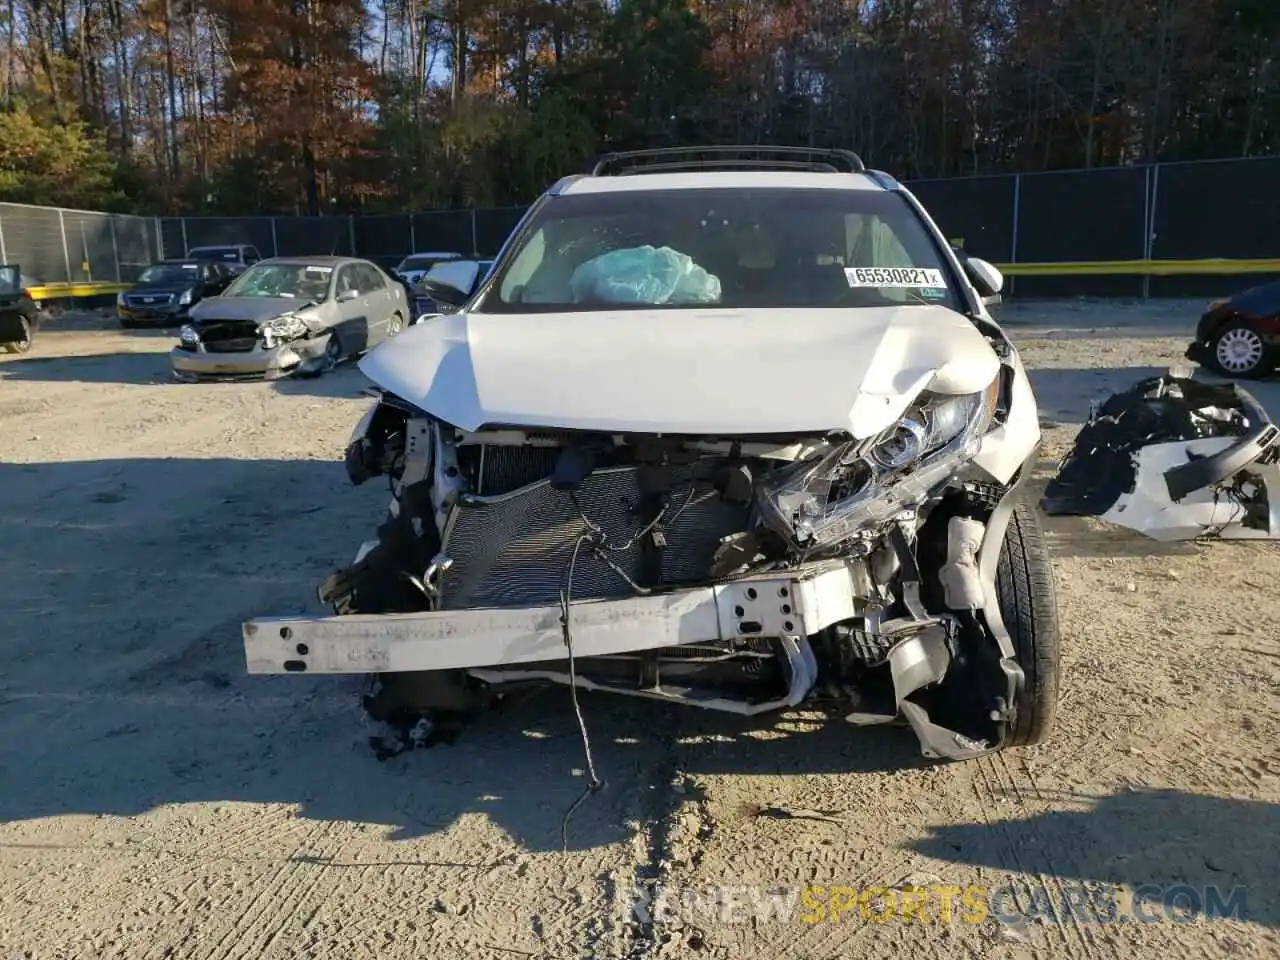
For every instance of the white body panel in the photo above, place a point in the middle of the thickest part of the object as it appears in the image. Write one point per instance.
(1149, 510)
(717, 372)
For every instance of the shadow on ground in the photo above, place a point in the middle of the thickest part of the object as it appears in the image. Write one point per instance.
(153, 368)
(1064, 393)
(123, 685)
(134, 368)
(1149, 838)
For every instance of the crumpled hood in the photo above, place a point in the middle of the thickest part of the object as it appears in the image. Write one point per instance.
(246, 308)
(720, 372)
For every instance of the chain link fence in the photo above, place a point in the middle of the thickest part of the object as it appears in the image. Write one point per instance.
(1174, 211)
(53, 245)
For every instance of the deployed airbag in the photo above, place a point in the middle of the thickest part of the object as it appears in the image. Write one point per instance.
(1175, 459)
(643, 275)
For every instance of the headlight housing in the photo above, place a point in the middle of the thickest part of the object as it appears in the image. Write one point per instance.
(188, 335)
(120, 300)
(823, 502)
(185, 299)
(282, 329)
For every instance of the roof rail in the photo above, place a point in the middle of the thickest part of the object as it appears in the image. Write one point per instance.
(886, 180)
(670, 159)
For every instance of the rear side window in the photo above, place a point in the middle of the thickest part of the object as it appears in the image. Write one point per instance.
(10, 281)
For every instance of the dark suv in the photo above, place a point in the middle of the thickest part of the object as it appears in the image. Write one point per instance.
(166, 292)
(237, 256)
(19, 313)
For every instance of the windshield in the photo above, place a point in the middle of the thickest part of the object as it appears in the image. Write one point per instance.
(297, 281)
(229, 254)
(170, 273)
(769, 247)
(423, 262)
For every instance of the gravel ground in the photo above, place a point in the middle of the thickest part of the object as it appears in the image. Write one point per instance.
(155, 802)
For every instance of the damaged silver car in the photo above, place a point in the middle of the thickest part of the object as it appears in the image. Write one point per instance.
(289, 315)
(1175, 459)
(728, 427)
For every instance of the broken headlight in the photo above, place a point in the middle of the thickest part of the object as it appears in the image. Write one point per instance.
(188, 335)
(824, 501)
(282, 329)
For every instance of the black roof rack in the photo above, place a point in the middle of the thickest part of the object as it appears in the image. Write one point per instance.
(671, 159)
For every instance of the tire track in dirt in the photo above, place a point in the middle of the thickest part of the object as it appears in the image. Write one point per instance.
(1076, 935)
(261, 920)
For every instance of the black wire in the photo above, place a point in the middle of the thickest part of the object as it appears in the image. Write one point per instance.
(599, 542)
(594, 784)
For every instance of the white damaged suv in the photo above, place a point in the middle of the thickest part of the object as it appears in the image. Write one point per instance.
(727, 426)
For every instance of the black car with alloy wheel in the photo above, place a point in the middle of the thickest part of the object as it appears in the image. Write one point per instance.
(166, 291)
(1239, 336)
(19, 312)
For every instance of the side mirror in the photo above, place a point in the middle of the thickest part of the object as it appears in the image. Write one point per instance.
(986, 279)
(451, 283)
(347, 295)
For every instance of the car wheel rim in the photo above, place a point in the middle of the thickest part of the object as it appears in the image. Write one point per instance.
(24, 341)
(332, 354)
(1239, 350)
(396, 324)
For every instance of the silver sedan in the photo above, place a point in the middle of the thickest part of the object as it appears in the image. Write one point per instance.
(290, 315)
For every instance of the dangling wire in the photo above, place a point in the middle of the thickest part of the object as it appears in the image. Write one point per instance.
(596, 539)
(594, 783)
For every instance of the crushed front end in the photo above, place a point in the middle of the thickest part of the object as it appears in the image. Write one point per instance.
(748, 574)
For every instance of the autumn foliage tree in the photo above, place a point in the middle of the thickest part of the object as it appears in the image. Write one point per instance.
(335, 106)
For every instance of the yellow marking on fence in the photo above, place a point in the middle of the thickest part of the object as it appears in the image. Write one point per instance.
(60, 291)
(1148, 268)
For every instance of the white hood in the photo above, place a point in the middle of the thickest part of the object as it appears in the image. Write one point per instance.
(717, 372)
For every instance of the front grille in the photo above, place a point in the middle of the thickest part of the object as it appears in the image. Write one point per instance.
(229, 336)
(239, 345)
(514, 549)
(150, 301)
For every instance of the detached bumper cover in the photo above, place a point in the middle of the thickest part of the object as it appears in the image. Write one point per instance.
(1175, 459)
(459, 639)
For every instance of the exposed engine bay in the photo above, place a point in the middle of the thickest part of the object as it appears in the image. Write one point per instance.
(1175, 459)
(888, 578)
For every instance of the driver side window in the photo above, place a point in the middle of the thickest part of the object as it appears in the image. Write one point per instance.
(347, 280)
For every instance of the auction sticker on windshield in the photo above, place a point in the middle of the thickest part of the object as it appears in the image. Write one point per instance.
(883, 277)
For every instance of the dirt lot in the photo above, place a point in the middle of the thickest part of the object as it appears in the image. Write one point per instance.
(155, 802)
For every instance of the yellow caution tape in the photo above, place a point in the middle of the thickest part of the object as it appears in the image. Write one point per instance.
(1147, 268)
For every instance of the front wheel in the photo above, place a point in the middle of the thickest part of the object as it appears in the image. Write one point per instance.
(1237, 350)
(23, 343)
(332, 355)
(1028, 604)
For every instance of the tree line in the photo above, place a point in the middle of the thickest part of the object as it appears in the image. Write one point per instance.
(365, 106)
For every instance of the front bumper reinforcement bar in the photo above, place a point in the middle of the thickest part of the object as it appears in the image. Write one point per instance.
(795, 604)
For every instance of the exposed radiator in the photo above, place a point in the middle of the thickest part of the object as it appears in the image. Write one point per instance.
(514, 549)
